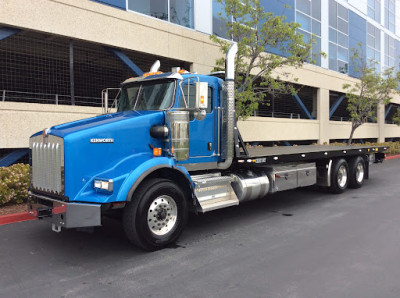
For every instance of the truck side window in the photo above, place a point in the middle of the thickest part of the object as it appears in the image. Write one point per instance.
(189, 97)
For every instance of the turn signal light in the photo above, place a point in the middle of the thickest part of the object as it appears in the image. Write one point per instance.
(157, 151)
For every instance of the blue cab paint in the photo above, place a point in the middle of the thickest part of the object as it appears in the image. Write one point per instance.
(128, 154)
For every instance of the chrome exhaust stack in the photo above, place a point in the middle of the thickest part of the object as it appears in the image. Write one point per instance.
(228, 88)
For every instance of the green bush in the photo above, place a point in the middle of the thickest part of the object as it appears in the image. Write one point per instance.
(14, 183)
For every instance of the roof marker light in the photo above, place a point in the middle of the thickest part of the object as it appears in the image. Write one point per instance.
(147, 74)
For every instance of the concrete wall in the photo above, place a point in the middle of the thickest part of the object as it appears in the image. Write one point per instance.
(276, 129)
(99, 23)
(18, 121)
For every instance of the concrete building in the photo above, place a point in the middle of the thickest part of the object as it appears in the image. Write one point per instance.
(57, 55)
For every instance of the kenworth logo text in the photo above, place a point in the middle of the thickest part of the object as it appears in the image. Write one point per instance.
(102, 140)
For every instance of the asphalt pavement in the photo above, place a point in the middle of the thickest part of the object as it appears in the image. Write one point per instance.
(302, 243)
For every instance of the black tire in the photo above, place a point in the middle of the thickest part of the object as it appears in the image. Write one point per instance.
(161, 203)
(339, 176)
(357, 172)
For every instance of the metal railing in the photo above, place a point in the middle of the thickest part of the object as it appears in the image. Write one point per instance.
(278, 115)
(335, 118)
(47, 98)
(348, 119)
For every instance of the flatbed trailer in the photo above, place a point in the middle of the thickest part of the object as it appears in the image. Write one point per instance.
(305, 153)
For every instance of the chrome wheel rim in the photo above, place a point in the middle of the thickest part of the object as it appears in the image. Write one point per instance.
(162, 215)
(342, 176)
(359, 172)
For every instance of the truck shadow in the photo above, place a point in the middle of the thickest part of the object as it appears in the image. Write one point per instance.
(109, 239)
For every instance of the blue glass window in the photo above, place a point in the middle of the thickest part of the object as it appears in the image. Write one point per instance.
(219, 28)
(332, 56)
(373, 45)
(338, 37)
(332, 35)
(308, 15)
(304, 6)
(304, 21)
(390, 7)
(176, 11)
(343, 40)
(316, 27)
(374, 10)
(316, 9)
(181, 12)
(154, 8)
(342, 53)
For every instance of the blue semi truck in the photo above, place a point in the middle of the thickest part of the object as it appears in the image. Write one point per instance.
(171, 149)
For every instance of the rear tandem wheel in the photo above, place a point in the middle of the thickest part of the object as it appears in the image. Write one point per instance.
(356, 172)
(339, 176)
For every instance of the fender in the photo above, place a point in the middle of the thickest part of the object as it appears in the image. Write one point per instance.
(141, 172)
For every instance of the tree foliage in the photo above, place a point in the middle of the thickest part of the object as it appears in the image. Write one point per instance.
(396, 117)
(373, 89)
(257, 32)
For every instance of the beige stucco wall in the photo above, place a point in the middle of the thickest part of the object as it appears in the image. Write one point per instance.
(391, 131)
(341, 130)
(18, 121)
(95, 22)
(277, 129)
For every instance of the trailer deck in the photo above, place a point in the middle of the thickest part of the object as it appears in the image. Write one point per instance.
(279, 154)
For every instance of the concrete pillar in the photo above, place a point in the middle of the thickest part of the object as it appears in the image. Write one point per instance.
(381, 122)
(200, 68)
(323, 115)
(314, 112)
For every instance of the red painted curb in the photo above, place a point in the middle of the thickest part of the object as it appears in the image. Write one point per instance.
(393, 157)
(16, 217)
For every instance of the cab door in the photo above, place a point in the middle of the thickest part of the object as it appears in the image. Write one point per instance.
(203, 145)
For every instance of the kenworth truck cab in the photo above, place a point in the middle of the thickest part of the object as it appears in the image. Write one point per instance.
(171, 148)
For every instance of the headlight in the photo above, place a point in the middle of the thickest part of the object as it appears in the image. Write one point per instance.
(103, 184)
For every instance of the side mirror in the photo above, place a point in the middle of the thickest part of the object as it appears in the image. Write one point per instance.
(201, 95)
(105, 100)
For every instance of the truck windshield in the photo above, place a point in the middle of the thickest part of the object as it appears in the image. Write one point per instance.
(144, 96)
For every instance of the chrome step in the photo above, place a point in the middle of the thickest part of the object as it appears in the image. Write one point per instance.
(214, 191)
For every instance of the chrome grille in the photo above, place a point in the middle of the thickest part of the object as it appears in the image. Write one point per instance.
(47, 173)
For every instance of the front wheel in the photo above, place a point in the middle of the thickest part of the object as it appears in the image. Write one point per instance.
(156, 215)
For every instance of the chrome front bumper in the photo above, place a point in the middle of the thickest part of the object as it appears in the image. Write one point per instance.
(62, 214)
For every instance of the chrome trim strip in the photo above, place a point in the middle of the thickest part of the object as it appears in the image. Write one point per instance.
(199, 166)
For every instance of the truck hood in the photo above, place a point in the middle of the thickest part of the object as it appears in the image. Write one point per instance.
(105, 147)
(66, 129)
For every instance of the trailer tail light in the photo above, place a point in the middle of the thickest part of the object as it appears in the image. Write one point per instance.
(157, 151)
